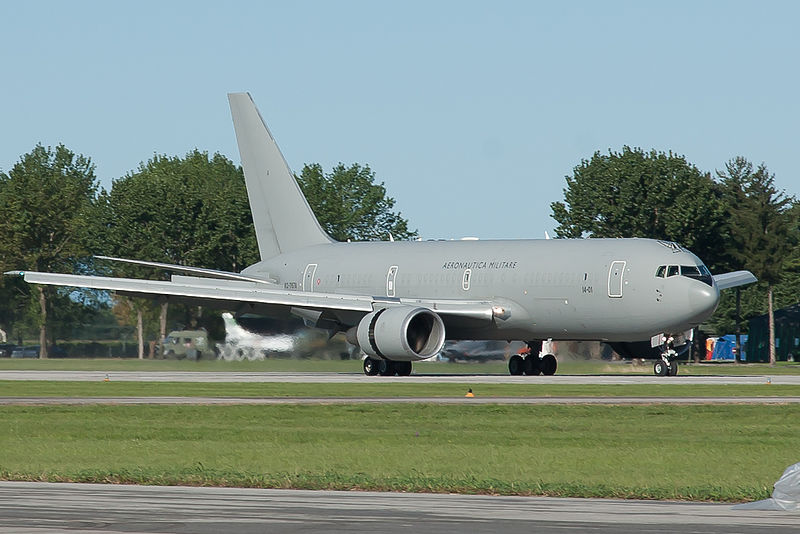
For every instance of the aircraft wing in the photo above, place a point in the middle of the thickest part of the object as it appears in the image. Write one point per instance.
(736, 278)
(237, 292)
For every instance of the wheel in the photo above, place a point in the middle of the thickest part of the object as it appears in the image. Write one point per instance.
(370, 366)
(516, 365)
(386, 368)
(660, 368)
(533, 365)
(673, 369)
(548, 364)
(402, 368)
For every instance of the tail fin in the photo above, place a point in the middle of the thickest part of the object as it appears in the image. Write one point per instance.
(282, 217)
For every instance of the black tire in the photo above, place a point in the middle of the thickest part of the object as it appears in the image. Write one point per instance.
(402, 368)
(673, 369)
(386, 368)
(660, 368)
(516, 365)
(533, 365)
(548, 364)
(370, 366)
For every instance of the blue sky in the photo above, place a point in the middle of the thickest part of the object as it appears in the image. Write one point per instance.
(472, 113)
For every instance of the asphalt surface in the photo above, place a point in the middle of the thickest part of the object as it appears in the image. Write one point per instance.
(36, 508)
(358, 378)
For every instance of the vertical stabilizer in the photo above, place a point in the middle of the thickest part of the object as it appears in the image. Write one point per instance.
(282, 217)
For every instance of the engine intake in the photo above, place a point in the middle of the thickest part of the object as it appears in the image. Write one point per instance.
(401, 334)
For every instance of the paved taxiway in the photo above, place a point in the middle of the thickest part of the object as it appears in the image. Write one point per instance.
(358, 378)
(37, 508)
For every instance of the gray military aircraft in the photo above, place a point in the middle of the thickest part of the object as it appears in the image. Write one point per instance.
(399, 301)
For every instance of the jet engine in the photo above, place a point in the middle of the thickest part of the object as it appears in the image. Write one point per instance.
(401, 334)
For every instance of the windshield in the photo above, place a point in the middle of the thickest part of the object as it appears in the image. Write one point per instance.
(698, 272)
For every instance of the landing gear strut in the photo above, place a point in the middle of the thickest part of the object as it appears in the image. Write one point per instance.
(667, 366)
(535, 363)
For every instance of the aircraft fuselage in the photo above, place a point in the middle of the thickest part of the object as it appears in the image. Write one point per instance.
(586, 289)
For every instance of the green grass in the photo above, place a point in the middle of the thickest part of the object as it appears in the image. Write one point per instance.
(354, 366)
(41, 388)
(721, 453)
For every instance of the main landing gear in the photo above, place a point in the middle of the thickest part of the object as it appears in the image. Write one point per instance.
(667, 366)
(535, 363)
(374, 367)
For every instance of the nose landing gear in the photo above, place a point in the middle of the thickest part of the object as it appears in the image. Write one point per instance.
(667, 365)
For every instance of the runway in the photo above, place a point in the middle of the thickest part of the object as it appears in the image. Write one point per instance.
(358, 378)
(38, 508)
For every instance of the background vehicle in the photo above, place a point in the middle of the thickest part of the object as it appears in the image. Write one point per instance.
(32, 351)
(6, 349)
(191, 344)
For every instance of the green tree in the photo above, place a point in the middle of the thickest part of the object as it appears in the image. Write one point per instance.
(644, 194)
(45, 205)
(350, 205)
(761, 221)
(187, 211)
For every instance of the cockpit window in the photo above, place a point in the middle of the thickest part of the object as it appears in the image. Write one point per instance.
(691, 271)
(698, 272)
(662, 270)
(672, 270)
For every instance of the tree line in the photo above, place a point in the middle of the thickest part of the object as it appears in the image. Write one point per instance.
(194, 211)
(190, 210)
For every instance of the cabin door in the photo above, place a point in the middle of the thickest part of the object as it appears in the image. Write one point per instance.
(308, 277)
(615, 275)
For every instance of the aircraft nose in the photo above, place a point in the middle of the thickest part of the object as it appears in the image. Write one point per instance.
(703, 299)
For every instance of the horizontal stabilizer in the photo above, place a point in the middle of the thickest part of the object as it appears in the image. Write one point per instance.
(736, 278)
(197, 271)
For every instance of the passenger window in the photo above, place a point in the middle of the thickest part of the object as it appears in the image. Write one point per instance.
(672, 270)
(662, 270)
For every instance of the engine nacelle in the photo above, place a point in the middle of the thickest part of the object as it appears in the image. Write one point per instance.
(401, 334)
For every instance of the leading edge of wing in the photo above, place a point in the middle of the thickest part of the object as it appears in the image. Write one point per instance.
(249, 292)
(236, 291)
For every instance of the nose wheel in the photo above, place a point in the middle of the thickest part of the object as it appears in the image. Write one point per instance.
(667, 366)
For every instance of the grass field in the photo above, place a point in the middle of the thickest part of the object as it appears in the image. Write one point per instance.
(660, 451)
(721, 453)
(354, 366)
(15, 388)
